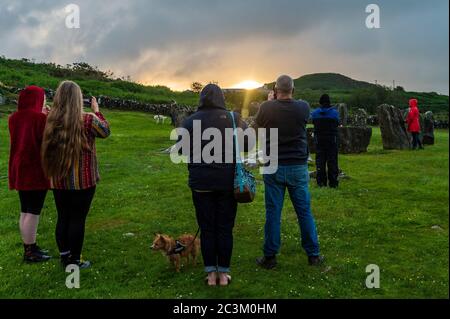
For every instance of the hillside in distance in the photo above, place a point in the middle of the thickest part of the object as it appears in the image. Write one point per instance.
(328, 81)
(95, 82)
(342, 89)
(360, 94)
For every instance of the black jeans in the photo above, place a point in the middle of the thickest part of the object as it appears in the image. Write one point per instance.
(216, 214)
(73, 207)
(416, 141)
(327, 153)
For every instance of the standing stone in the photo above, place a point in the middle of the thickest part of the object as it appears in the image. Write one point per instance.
(428, 129)
(393, 128)
(372, 120)
(250, 121)
(2, 100)
(343, 114)
(352, 139)
(361, 118)
(405, 113)
(311, 141)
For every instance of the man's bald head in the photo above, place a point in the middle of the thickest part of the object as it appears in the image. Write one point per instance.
(285, 84)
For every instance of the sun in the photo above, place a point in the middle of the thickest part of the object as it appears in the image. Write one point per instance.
(248, 85)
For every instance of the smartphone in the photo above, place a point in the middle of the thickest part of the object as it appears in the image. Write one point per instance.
(275, 92)
(87, 102)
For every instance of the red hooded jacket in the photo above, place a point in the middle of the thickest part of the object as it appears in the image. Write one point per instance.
(26, 128)
(413, 119)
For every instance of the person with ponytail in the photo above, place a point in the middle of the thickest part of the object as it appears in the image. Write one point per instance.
(26, 128)
(69, 160)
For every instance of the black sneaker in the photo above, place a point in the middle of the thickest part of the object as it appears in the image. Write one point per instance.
(82, 264)
(316, 260)
(35, 256)
(42, 251)
(267, 262)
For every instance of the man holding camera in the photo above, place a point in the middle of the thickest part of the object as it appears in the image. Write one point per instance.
(290, 117)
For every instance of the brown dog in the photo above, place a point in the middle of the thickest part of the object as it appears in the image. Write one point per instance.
(167, 244)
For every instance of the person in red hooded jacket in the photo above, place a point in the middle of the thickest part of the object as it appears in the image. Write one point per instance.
(413, 122)
(26, 128)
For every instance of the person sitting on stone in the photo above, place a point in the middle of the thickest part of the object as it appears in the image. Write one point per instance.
(326, 123)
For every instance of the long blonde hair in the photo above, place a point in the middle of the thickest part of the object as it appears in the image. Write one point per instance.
(64, 135)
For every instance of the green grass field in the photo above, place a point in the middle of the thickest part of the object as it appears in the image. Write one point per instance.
(382, 215)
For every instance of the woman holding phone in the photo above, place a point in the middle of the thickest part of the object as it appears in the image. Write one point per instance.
(69, 160)
(26, 128)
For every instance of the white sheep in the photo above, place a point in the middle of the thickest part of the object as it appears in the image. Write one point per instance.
(160, 119)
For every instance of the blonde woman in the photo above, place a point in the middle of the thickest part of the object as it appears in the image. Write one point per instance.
(69, 160)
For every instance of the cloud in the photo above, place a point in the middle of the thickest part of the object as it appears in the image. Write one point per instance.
(177, 42)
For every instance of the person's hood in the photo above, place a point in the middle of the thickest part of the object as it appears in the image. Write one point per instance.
(326, 109)
(31, 98)
(413, 103)
(212, 97)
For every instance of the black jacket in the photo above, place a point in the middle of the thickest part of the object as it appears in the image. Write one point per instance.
(212, 113)
(290, 118)
(326, 123)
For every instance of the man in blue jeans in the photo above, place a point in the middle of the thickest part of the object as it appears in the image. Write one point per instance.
(290, 117)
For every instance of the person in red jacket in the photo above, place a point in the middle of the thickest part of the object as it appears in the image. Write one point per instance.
(413, 122)
(26, 128)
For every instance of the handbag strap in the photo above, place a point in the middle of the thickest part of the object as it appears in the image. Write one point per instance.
(236, 140)
(238, 155)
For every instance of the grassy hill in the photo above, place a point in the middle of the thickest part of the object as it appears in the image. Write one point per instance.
(342, 89)
(329, 81)
(20, 73)
(359, 94)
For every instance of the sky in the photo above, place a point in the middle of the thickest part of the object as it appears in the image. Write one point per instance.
(177, 42)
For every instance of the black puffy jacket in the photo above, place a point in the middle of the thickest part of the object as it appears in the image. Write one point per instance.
(212, 113)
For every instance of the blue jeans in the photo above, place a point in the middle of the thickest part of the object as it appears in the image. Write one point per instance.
(296, 180)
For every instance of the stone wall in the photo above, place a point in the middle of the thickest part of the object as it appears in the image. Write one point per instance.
(343, 114)
(176, 112)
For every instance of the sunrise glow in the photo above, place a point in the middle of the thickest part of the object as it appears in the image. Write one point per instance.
(248, 85)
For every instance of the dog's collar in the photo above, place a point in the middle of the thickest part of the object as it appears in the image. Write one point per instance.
(179, 248)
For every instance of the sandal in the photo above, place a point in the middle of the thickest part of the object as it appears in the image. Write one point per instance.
(228, 277)
(211, 285)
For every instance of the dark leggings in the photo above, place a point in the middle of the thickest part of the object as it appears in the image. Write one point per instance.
(416, 141)
(216, 214)
(73, 207)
